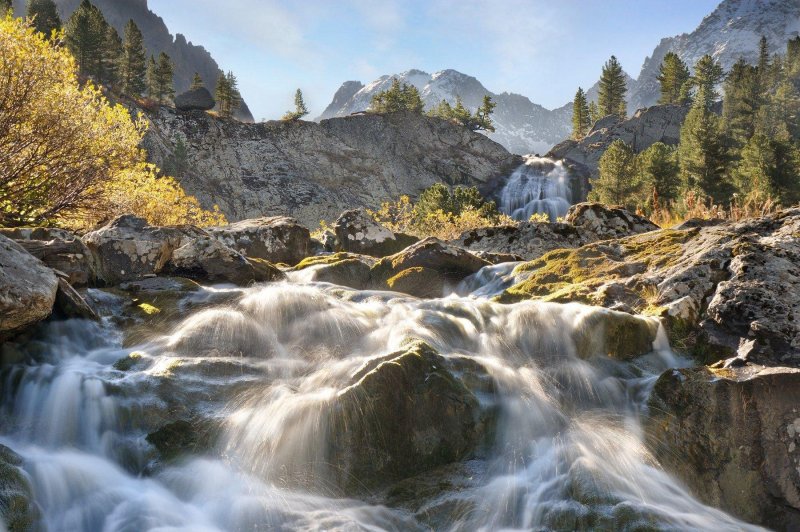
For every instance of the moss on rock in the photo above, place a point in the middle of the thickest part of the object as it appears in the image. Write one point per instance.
(418, 282)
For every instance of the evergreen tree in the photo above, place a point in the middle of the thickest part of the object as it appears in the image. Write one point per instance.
(197, 82)
(228, 97)
(482, 119)
(444, 111)
(112, 57)
(300, 109)
(460, 112)
(45, 16)
(580, 115)
(5, 6)
(707, 75)
(162, 79)
(594, 113)
(764, 70)
(769, 168)
(741, 104)
(85, 37)
(612, 89)
(673, 75)
(659, 170)
(701, 152)
(399, 97)
(134, 61)
(150, 77)
(618, 182)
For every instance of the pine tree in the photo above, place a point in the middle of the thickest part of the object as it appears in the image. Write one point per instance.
(460, 112)
(580, 115)
(197, 82)
(227, 94)
(659, 169)
(300, 109)
(701, 153)
(618, 182)
(742, 102)
(45, 16)
(443, 110)
(112, 57)
(482, 119)
(612, 89)
(165, 78)
(399, 97)
(134, 61)
(5, 6)
(707, 75)
(594, 113)
(85, 36)
(769, 167)
(150, 77)
(764, 69)
(672, 76)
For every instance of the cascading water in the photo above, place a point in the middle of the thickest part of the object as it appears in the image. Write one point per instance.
(539, 186)
(262, 369)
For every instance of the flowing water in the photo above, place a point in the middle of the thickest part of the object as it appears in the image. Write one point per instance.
(259, 367)
(539, 186)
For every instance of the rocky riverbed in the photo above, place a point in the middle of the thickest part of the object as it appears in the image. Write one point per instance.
(600, 373)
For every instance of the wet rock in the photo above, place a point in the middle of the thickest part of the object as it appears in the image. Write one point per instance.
(195, 100)
(182, 437)
(418, 282)
(278, 239)
(595, 221)
(71, 304)
(357, 232)
(403, 414)
(18, 510)
(453, 264)
(615, 334)
(27, 288)
(207, 259)
(345, 269)
(733, 436)
(498, 258)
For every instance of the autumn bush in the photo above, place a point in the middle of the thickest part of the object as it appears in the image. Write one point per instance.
(67, 156)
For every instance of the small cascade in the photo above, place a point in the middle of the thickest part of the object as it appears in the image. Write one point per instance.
(264, 373)
(539, 186)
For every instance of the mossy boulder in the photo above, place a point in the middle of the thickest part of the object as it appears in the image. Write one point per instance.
(453, 264)
(357, 232)
(615, 334)
(343, 269)
(18, 510)
(403, 414)
(418, 282)
(733, 436)
(207, 259)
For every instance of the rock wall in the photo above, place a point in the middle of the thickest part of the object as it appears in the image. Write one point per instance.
(315, 171)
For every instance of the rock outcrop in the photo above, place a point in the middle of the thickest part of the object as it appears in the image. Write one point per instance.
(736, 285)
(585, 223)
(357, 232)
(733, 436)
(27, 288)
(18, 511)
(58, 249)
(314, 172)
(660, 123)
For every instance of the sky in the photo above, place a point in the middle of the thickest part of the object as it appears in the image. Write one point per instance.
(543, 49)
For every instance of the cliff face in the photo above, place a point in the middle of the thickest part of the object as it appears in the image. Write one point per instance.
(314, 171)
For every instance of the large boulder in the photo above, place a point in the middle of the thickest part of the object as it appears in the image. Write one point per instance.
(27, 288)
(205, 258)
(453, 264)
(57, 248)
(278, 239)
(195, 100)
(595, 221)
(18, 511)
(128, 248)
(528, 240)
(403, 414)
(733, 436)
(357, 232)
(345, 269)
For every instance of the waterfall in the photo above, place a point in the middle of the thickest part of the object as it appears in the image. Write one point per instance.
(539, 186)
(266, 367)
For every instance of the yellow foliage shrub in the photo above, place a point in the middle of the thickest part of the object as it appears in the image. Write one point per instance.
(66, 155)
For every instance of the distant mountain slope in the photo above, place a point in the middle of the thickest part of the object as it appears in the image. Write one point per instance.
(731, 31)
(522, 126)
(188, 58)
